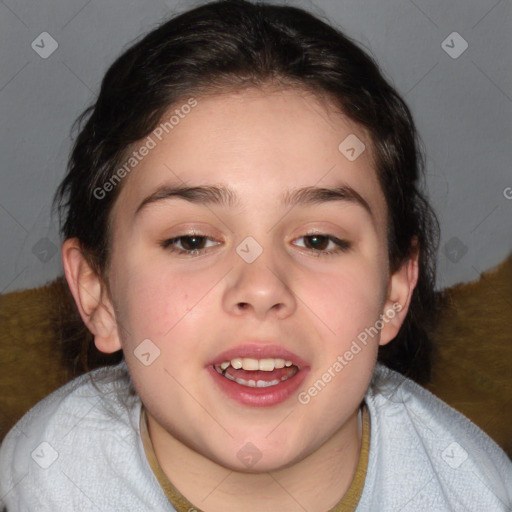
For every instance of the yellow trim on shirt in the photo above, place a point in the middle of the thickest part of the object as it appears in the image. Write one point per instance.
(351, 498)
(347, 504)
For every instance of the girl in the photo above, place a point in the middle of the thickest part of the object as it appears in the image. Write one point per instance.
(243, 223)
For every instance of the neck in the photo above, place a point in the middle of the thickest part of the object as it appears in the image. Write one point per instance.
(316, 483)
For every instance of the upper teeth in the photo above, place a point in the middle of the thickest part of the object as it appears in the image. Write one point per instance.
(247, 363)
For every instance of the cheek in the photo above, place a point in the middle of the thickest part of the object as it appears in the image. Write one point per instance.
(348, 300)
(155, 303)
(158, 302)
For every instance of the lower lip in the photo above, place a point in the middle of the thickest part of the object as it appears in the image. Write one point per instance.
(259, 397)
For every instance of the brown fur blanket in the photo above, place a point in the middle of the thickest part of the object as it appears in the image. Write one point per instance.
(472, 360)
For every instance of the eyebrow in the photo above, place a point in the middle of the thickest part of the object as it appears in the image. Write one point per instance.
(224, 196)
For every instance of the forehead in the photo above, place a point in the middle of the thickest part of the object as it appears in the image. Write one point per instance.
(257, 143)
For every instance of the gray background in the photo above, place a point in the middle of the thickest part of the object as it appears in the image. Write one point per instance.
(462, 107)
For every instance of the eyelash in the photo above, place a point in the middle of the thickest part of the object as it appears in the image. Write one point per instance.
(343, 245)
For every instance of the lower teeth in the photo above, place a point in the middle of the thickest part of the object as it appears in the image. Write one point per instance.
(254, 384)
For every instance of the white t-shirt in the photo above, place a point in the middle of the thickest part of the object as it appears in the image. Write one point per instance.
(80, 449)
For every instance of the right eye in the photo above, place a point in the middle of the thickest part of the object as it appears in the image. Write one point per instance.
(191, 245)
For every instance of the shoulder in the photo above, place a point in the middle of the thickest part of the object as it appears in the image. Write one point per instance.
(81, 439)
(91, 398)
(421, 447)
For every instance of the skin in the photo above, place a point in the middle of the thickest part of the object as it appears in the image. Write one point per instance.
(260, 143)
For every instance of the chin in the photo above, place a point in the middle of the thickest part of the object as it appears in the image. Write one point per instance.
(247, 457)
(258, 467)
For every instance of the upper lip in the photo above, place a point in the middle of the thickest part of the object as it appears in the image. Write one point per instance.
(259, 350)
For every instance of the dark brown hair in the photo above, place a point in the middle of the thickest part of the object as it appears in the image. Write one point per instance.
(234, 44)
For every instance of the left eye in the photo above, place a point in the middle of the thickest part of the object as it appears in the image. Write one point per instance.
(318, 243)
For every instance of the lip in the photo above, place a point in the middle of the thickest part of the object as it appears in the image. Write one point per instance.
(259, 350)
(259, 397)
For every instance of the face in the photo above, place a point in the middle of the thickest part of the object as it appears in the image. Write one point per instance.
(263, 276)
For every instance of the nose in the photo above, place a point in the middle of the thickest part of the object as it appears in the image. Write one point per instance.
(260, 288)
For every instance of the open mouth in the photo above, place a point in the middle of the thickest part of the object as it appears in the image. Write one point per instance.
(257, 373)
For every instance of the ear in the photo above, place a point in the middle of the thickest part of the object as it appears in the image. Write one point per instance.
(91, 297)
(400, 288)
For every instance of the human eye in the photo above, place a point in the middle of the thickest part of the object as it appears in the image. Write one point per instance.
(317, 243)
(192, 244)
